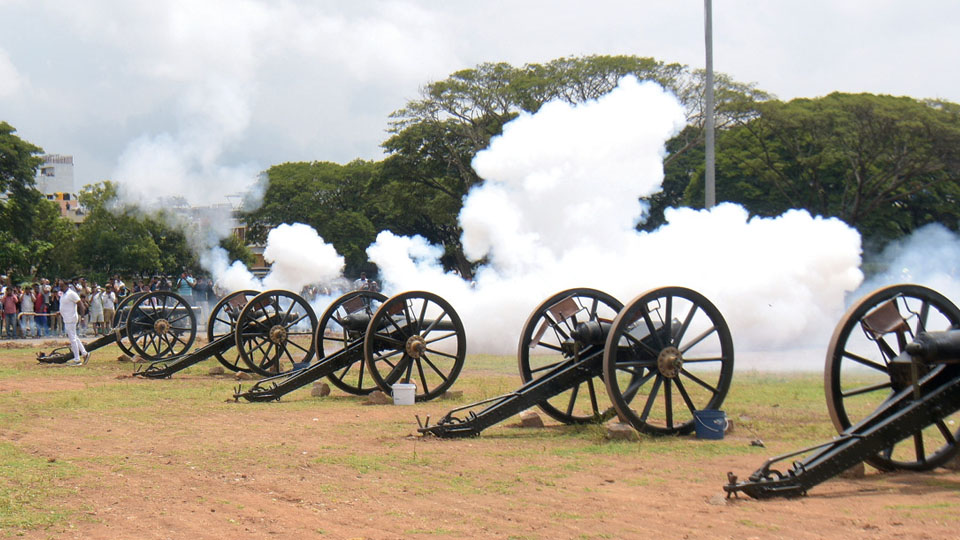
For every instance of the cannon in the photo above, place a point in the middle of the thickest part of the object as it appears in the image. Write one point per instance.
(892, 380)
(264, 333)
(366, 341)
(585, 357)
(151, 343)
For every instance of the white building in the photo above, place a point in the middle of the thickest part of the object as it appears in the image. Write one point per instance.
(56, 175)
(55, 181)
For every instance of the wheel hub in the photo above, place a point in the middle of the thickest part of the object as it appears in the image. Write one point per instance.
(161, 326)
(415, 347)
(670, 362)
(278, 335)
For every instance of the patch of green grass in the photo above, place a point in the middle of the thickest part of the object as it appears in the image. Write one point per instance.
(931, 506)
(565, 515)
(30, 490)
(361, 463)
(438, 531)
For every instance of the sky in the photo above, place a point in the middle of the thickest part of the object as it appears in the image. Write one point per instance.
(212, 92)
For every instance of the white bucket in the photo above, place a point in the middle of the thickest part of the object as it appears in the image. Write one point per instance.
(404, 393)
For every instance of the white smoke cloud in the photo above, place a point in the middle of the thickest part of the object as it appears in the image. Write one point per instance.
(558, 208)
(298, 256)
(930, 256)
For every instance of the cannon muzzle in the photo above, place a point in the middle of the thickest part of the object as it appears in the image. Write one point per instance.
(936, 347)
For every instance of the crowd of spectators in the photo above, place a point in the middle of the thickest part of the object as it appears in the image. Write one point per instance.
(31, 310)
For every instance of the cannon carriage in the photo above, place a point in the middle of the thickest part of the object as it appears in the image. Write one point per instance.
(136, 337)
(366, 341)
(892, 381)
(248, 331)
(585, 357)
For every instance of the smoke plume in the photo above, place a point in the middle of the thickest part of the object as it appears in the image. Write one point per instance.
(558, 209)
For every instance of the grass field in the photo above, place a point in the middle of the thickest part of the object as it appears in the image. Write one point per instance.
(92, 451)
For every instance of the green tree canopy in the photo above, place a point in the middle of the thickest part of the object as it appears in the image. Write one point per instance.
(434, 138)
(117, 238)
(339, 201)
(885, 165)
(21, 248)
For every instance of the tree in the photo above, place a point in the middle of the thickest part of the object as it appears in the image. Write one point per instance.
(883, 164)
(19, 247)
(339, 201)
(434, 138)
(60, 234)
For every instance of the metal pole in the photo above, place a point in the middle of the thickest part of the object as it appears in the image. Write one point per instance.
(710, 176)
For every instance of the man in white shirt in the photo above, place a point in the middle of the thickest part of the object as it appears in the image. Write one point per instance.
(68, 313)
(109, 299)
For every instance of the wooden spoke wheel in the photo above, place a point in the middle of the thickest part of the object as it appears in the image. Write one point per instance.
(275, 332)
(161, 324)
(668, 354)
(548, 339)
(343, 325)
(120, 316)
(858, 376)
(223, 322)
(415, 337)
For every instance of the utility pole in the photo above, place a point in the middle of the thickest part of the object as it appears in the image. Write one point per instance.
(710, 176)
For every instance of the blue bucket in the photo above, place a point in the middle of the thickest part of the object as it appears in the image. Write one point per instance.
(710, 423)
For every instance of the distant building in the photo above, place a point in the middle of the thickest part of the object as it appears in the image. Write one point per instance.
(55, 180)
(69, 206)
(56, 175)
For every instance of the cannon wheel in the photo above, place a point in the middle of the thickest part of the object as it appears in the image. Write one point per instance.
(546, 328)
(332, 337)
(871, 334)
(668, 354)
(275, 332)
(120, 321)
(415, 337)
(161, 324)
(223, 321)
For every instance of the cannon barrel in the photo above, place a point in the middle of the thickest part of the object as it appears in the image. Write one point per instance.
(591, 332)
(936, 347)
(907, 337)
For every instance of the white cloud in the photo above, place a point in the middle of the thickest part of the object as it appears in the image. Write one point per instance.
(10, 80)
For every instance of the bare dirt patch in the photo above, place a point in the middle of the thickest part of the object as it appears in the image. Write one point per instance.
(174, 459)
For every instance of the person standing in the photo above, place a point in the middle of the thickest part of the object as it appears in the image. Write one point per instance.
(10, 302)
(68, 313)
(96, 311)
(185, 286)
(56, 322)
(27, 321)
(40, 308)
(109, 303)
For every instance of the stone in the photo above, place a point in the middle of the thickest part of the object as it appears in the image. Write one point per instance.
(320, 389)
(617, 431)
(530, 419)
(452, 394)
(243, 376)
(718, 500)
(855, 472)
(378, 398)
(137, 359)
(216, 370)
(124, 358)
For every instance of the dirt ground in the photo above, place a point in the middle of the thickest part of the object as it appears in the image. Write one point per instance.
(176, 459)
